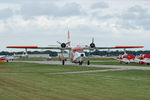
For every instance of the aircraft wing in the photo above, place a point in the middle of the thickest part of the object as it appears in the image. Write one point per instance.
(120, 47)
(116, 47)
(37, 47)
(69, 48)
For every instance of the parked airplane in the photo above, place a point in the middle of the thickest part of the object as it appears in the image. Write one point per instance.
(20, 55)
(3, 58)
(145, 59)
(127, 58)
(76, 54)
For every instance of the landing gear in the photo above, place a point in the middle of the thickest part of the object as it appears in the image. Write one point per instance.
(80, 62)
(88, 62)
(63, 62)
(120, 62)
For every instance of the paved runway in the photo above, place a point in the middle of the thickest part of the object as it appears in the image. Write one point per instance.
(106, 66)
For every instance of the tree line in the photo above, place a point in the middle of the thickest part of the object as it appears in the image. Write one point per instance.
(51, 53)
(96, 52)
(117, 53)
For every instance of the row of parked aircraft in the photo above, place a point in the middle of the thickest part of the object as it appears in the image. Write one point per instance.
(8, 58)
(127, 58)
(77, 54)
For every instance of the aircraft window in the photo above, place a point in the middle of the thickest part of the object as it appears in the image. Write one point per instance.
(80, 51)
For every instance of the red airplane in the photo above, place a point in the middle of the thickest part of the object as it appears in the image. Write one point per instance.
(127, 58)
(145, 59)
(3, 58)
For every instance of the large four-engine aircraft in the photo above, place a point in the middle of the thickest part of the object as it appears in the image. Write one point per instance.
(76, 54)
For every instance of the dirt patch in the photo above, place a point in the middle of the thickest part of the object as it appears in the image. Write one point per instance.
(1, 67)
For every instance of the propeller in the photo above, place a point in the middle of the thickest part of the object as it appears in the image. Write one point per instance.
(63, 45)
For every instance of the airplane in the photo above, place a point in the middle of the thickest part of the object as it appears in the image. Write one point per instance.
(76, 53)
(127, 58)
(24, 55)
(4, 58)
(145, 59)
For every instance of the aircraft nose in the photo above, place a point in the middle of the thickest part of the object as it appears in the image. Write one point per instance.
(82, 55)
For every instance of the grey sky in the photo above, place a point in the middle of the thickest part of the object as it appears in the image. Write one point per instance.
(43, 22)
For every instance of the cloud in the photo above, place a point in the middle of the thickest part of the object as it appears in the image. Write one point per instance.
(25, 1)
(100, 5)
(71, 9)
(6, 13)
(51, 9)
(136, 17)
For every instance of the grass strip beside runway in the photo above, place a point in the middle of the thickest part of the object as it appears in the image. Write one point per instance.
(118, 85)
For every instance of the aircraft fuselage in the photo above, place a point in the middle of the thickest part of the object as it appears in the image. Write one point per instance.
(77, 55)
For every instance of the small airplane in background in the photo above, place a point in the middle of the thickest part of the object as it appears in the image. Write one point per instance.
(4, 58)
(76, 54)
(8, 58)
(20, 55)
(145, 59)
(127, 58)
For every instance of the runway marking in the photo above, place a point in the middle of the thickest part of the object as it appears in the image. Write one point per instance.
(91, 71)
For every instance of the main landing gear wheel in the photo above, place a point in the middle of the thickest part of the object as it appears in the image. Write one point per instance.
(80, 63)
(88, 62)
(63, 62)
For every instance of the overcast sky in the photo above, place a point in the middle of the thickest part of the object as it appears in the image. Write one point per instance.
(43, 22)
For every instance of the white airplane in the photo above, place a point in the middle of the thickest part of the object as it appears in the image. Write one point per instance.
(76, 54)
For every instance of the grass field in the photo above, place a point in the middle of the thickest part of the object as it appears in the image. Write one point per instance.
(118, 85)
(41, 68)
(31, 59)
(57, 59)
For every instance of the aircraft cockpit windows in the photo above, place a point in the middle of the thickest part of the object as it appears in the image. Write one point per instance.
(80, 51)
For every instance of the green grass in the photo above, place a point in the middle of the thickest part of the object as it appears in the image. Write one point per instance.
(117, 63)
(41, 68)
(117, 85)
(124, 85)
(31, 59)
(37, 59)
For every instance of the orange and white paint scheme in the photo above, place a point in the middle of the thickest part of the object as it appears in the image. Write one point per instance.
(76, 54)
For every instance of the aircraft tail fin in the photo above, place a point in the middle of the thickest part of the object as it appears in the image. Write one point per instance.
(69, 38)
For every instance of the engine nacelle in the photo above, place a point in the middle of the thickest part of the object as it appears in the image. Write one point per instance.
(63, 45)
(92, 45)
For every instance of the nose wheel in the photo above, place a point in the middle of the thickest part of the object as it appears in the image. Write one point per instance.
(80, 63)
(88, 62)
